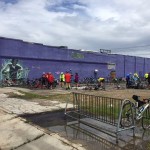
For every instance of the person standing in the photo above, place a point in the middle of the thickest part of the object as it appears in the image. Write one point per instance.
(148, 79)
(128, 80)
(76, 80)
(62, 79)
(43, 79)
(146, 76)
(71, 80)
(50, 80)
(67, 80)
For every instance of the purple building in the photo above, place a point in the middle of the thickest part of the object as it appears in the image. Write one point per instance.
(32, 59)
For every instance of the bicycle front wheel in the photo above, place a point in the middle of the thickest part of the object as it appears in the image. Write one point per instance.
(146, 119)
(127, 115)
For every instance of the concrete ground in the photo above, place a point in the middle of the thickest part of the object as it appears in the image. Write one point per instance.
(17, 133)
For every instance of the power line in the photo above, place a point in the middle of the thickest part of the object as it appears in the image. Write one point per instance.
(130, 47)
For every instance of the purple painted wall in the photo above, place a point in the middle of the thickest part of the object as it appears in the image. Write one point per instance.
(38, 58)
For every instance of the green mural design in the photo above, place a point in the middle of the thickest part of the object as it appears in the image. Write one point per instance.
(77, 55)
(12, 69)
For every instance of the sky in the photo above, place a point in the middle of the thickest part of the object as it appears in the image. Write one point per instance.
(121, 26)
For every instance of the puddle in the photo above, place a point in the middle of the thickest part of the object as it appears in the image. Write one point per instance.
(90, 138)
(46, 119)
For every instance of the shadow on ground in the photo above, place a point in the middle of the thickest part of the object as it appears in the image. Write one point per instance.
(90, 138)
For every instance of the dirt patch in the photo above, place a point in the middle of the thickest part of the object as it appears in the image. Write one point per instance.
(120, 94)
(113, 93)
(45, 97)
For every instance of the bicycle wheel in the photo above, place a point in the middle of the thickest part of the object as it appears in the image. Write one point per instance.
(126, 116)
(146, 119)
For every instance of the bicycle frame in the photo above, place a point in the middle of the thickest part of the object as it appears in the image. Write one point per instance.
(140, 111)
(132, 112)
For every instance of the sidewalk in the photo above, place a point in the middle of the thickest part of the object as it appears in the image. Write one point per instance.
(16, 133)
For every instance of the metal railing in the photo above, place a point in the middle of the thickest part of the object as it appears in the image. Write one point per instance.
(93, 110)
(146, 118)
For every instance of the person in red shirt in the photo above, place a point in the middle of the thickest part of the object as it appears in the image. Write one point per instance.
(67, 80)
(50, 80)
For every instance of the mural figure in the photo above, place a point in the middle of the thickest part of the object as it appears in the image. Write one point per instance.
(12, 70)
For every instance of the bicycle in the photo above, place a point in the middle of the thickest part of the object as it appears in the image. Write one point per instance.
(134, 111)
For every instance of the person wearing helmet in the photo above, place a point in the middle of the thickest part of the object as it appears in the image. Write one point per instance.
(101, 83)
(62, 79)
(146, 76)
(128, 79)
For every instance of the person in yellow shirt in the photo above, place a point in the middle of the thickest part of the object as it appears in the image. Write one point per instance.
(146, 76)
(101, 82)
(62, 79)
(136, 75)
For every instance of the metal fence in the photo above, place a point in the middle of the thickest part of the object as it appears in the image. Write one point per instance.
(146, 118)
(98, 112)
(99, 108)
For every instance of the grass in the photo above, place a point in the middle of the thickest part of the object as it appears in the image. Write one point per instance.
(31, 96)
(148, 146)
(102, 111)
(92, 108)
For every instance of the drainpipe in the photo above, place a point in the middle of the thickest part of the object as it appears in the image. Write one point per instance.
(144, 68)
(135, 64)
(124, 67)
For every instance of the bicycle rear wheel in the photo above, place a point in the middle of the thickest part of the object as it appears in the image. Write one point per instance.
(127, 115)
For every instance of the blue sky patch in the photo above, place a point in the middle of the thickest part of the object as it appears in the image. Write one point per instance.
(10, 1)
(66, 6)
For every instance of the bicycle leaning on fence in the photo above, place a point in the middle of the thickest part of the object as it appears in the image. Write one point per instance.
(134, 111)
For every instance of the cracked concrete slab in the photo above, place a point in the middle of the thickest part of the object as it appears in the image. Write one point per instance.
(12, 89)
(47, 143)
(20, 106)
(5, 116)
(76, 146)
(15, 132)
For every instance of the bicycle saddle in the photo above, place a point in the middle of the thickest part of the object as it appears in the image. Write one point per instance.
(137, 99)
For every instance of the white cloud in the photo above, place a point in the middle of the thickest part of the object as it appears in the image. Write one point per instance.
(79, 24)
